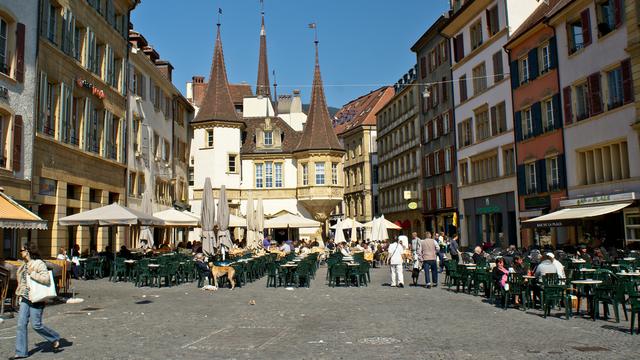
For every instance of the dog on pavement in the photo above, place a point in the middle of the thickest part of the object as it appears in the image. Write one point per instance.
(217, 271)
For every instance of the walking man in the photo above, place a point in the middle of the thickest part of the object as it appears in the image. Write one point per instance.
(395, 262)
(427, 250)
(415, 271)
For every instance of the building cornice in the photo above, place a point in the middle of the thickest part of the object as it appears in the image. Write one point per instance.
(217, 123)
(463, 16)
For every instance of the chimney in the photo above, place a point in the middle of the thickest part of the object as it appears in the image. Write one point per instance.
(165, 68)
(151, 53)
(296, 102)
(198, 89)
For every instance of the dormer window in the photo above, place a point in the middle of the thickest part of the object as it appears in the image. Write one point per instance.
(268, 138)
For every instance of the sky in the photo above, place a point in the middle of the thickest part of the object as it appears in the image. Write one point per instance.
(364, 44)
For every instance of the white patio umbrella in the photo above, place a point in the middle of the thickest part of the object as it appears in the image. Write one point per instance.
(348, 223)
(207, 216)
(173, 217)
(339, 238)
(388, 224)
(291, 221)
(259, 221)
(382, 229)
(237, 221)
(114, 214)
(251, 227)
(146, 233)
(224, 236)
(354, 234)
(375, 229)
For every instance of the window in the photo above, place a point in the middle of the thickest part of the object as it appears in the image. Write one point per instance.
(476, 35)
(530, 176)
(464, 173)
(359, 149)
(268, 171)
(479, 79)
(47, 187)
(436, 162)
(464, 133)
(49, 125)
(445, 123)
(259, 180)
(209, 139)
(509, 159)
(582, 101)
(576, 35)
(615, 90)
(374, 175)
(447, 159)
(268, 138)
(51, 23)
(132, 184)
(498, 119)
(493, 21)
(524, 70)
(548, 120)
(359, 174)
(334, 174)
(140, 184)
(4, 59)
(191, 176)
(462, 83)
(632, 225)
(484, 167)
(3, 140)
(603, 164)
(553, 177)
(305, 174)
(319, 173)
(545, 56)
(444, 51)
(278, 167)
(231, 165)
(527, 123)
(606, 13)
(498, 67)
(482, 125)
(439, 198)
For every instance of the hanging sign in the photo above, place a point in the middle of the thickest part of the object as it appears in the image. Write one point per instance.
(91, 87)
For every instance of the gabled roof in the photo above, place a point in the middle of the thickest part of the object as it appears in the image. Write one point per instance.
(262, 84)
(289, 142)
(538, 15)
(217, 104)
(362, 111)
(318, 131)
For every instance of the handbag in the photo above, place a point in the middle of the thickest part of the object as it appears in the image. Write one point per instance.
(39, 292)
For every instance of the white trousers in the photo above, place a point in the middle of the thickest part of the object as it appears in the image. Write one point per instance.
(396, 275)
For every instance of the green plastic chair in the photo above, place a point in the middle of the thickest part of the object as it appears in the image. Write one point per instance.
(339, 271)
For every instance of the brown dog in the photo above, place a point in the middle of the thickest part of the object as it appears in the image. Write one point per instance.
(217, 271)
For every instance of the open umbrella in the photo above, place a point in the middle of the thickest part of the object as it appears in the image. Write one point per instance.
(387, 223)
(207, 216)
(339, 233)
(348, 223)
(251, 227)
(290, 221)
(259, 220)
(224, 236)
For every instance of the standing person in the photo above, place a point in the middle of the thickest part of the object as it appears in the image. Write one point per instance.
(395, 251)
(441, 249)
(427, 250)
(37, 270)
(415, 271)
(454, 249)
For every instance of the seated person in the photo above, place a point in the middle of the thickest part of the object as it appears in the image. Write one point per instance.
(519, 266)
(62, 254)
(598, 258)
(544, 268)
(582, 253)
(558, 265)
(500, 274)
(478, 255)
(331, 245)
(124, 252)
(285, 248)
(359, 246)
(203, 270)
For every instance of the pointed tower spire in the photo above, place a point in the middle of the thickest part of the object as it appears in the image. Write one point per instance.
(318, 131)
(262, 85)
(217, 103)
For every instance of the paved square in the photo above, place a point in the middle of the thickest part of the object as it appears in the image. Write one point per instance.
(119, 321)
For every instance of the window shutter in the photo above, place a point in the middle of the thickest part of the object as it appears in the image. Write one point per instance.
(42, 101)
(517, 125)
(430, 131)
(445, 56)
(20, 37)
(586, 26)
(515, 80)
(441, 161)
(86, 120)
(445, 93)
(557, 114)
(431, 164)
(439, 125)
(541, 174)
(460, 141)
(533, 64)
(536, 111)
(568, 113)
(17, 142)
(433, 198)
(451, 122)
(617, 12)
(494, 120)
(497, 67)
(44, 17)
(458, 43)
(553, 53)
(488, 15)
(456, 58)
(627, 81)
(448, 196)
(595, 94)
(423, 67)
(522, 182)
(562, 172)
(452, 155)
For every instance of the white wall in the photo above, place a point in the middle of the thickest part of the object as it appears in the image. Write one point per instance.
(518, 11)
(212, 162)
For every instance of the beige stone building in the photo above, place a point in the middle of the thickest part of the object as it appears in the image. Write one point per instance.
(79, 149)
(355, 125)
(400, 158)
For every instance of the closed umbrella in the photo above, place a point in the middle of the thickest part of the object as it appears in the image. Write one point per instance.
(382, 232)
(339, 233)
(375, 229)
(207, 216)
(354, 234)
(251, 227)
(224, 236)
(145, 231)
(259, 220)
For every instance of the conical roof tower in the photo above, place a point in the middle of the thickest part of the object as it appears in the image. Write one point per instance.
(262, 84)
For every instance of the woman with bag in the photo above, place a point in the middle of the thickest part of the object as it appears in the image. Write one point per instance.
(32, 271)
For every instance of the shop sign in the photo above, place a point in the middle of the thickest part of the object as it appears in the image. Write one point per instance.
(537, 202)
(600, 199)
(91, 87)
(413, 205)
(488, 209)
(546, 224)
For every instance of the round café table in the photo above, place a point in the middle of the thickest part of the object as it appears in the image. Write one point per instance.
(586, 284)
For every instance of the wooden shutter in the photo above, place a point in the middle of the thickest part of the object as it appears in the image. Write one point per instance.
(541, 175)
(494, 120)
(17, 142)
(488, 16)
(617, 12)
(498, 71)
(522, 181)
(557, 114)
(463, 88)
(441, 161)
(433, 198)
(445, 93)
(20, 38)
(445, 55)
(627, 81)
(431, 164)
(451, 122)
(458, 46)
(595, 94)
(562, 172)
(448, 196)
(517, 125)
(439, 125)
(430, 131)
(423, 67)
(586, 26)
(460, 139)
(536, 113)
(553, 53)
(568, 113)
(533, 64)
(515, 76)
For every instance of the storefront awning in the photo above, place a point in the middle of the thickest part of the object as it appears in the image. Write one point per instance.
(569, 216)
(14, 216)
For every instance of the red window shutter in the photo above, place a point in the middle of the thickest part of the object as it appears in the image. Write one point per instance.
(488, 15)
(423, 67)
(17, 142)
(586, 26)
(439, 124)
(441, 161)
(431, 164)
(627, 81)
(617, 12)
(451, 119)
(595, 94)
(448, 196)
(430, 130)
(445, 93)
(568, 113)
(20, 37)
(433, 198)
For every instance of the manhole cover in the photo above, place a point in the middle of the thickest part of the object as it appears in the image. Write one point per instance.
(379, 341)
(590, 348)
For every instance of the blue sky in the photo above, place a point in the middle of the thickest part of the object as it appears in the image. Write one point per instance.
(364, 44)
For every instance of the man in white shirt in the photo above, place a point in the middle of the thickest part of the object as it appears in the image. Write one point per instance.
(558, 265)
(395, 263)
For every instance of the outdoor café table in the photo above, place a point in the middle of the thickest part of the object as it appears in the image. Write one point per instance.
(587, 270)
(629, 259)
(578, 261)
(629, 274)
(587, 284)
(289, 268)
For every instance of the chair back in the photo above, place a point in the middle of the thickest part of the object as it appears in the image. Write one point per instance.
(550, 279)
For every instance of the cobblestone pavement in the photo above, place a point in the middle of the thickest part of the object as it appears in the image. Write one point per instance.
(119, 321)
